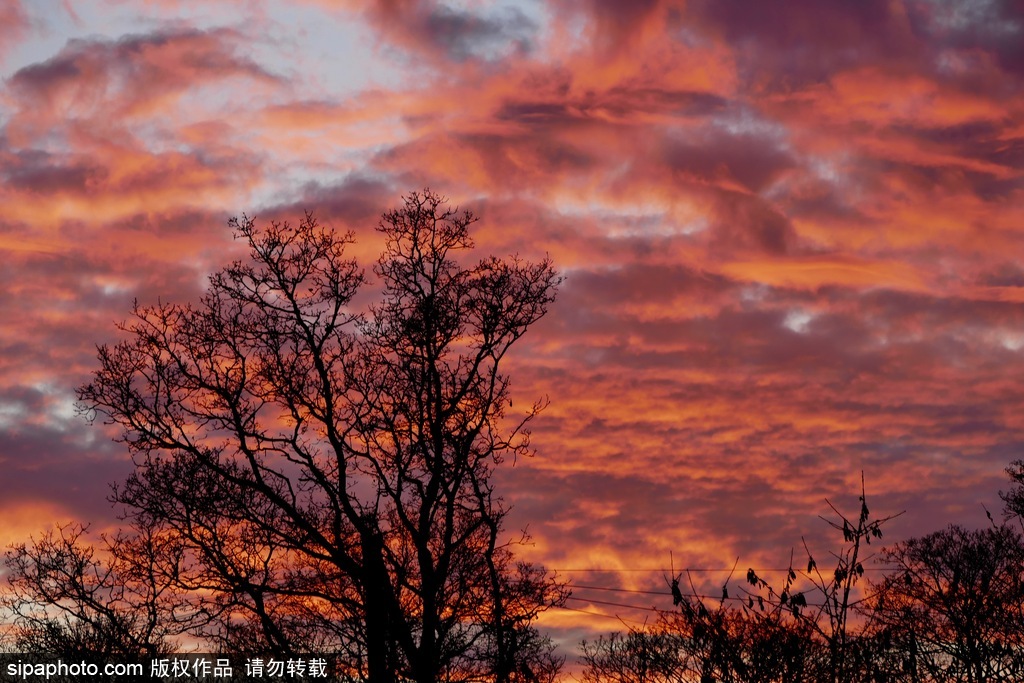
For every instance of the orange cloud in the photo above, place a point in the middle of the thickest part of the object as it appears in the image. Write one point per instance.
(791, 236)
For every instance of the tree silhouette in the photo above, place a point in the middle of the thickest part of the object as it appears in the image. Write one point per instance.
(68, 601)
(767, 633)
(327, 472)
(949, 608)
(641, 655)
(703, 643)
(1014, 498)
(846, 642)
(952, 609)
(724, 642)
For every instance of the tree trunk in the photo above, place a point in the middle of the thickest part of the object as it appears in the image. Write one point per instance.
(378, 632)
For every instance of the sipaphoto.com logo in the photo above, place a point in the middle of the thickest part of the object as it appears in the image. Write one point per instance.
(25, 670)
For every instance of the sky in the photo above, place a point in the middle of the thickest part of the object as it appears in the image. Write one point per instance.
(791, 234)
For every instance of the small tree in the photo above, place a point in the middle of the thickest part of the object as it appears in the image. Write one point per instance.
(740, 645)
(68, 601)
(640, 655)
(699, 643)
(327, 471)
(848, 647)
(772, 634)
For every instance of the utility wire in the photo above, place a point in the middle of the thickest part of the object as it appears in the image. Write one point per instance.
(617, 590)
(573, 586)
(741, 599)
(732, 598)
(615, 604)
(600, 614)
(664, 570)
(683, 570)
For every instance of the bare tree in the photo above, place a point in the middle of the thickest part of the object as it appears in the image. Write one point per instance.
(69, 599)
(742, 640)
(1014, 498)
(952, 608)
(327, 471)
(702, 643)
(833, 612)
(766, 634)
(640, 655)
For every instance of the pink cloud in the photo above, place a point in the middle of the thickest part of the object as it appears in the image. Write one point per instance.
(14, 26)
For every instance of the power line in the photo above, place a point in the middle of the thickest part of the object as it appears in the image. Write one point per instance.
(614, 604)
(732, 598)
(617, 590)
(662, 570)
(600, 614)
(744, 599)
(683, 570)
(813, 589)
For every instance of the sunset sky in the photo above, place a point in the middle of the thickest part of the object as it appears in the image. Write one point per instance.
(792, 236)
